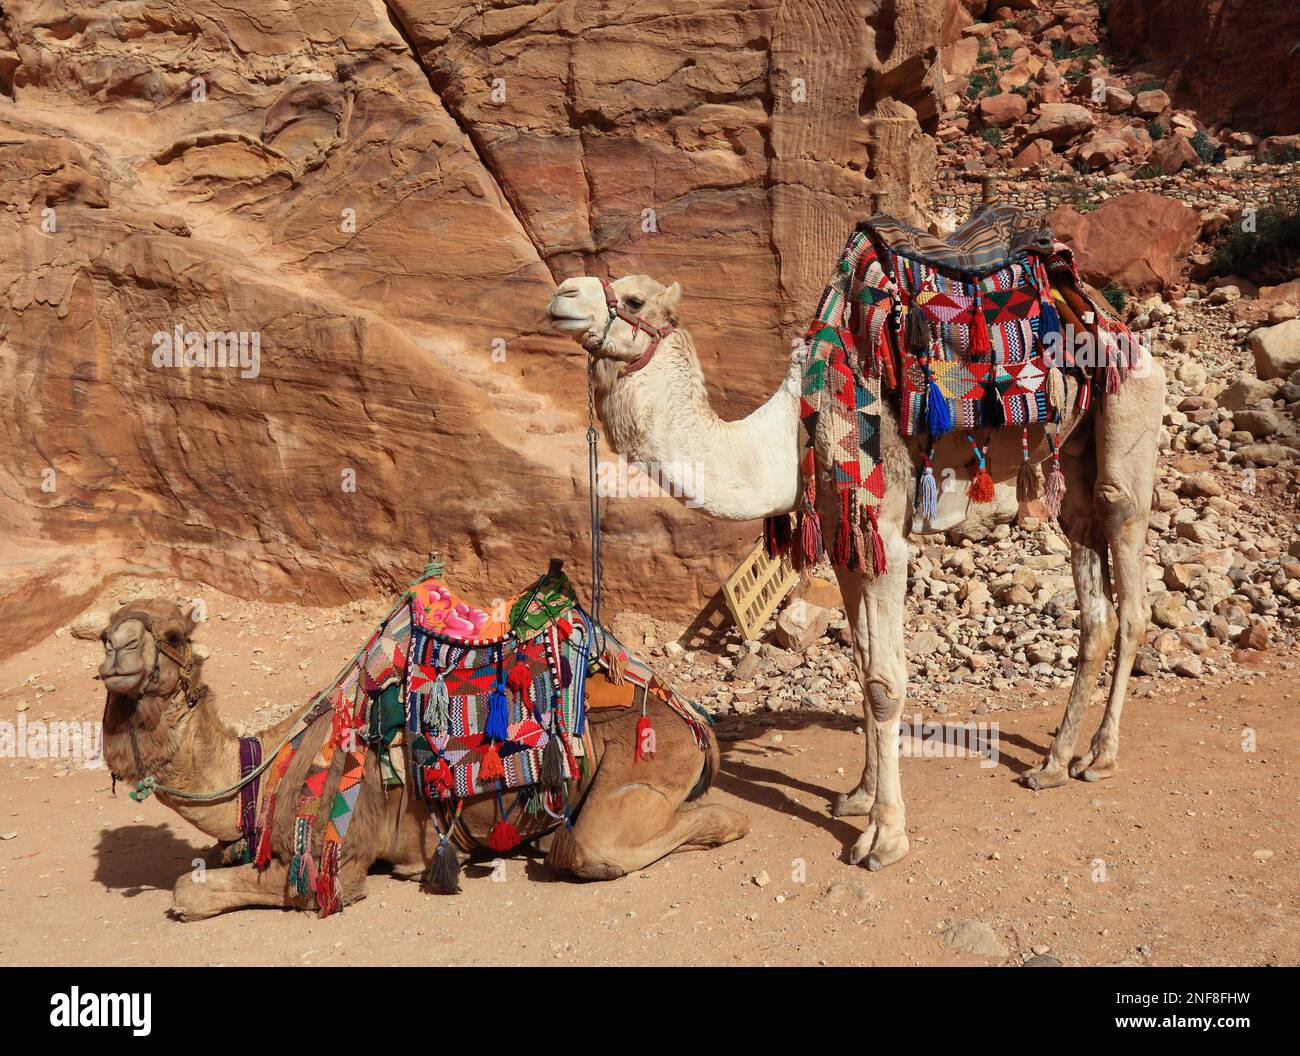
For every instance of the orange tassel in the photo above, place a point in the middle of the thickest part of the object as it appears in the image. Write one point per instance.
(981, 486)
(490, 769)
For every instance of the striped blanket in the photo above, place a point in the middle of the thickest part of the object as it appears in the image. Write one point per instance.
(479, 701)
(962, 333)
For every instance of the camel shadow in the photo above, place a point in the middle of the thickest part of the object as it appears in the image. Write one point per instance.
(140, 858)
(767, 787)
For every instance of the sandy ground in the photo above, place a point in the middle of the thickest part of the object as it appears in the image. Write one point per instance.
(1187, 857)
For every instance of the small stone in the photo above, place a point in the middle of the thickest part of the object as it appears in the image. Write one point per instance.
(1043, 960)
(973, 937)
(762, 879)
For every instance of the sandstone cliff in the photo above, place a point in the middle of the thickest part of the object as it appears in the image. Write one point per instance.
(378, 198)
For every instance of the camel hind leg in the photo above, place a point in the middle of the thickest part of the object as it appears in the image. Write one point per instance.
(636, 813)
(1088, 562)
(1128, 440)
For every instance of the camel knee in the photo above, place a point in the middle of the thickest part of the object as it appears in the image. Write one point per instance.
(1114, 507)
(571, 853)
(885, 705)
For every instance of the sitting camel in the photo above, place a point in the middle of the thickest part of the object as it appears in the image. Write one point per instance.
(161, 720)
(651, 398)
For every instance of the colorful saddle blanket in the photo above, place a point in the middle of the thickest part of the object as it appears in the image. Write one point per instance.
(960, 333)
(481, 701)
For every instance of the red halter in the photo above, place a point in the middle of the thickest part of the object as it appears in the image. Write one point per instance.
(656, 333)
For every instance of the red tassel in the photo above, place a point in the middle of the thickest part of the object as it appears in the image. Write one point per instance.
(520, 678)
(439, 776)
(980, 345)
(810, 537)
(490, 769)
(878, 564)
(503, 837)
(645, 740)
(981, 486)
(564, 627)
(263, 857)
(842, 545)
(327, 899)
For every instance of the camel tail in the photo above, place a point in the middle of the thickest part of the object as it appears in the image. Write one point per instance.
(708, 770)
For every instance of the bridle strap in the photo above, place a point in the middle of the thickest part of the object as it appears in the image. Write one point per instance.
(617, 311)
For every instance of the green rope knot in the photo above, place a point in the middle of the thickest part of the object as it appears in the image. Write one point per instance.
(144, 789)
(434, 568)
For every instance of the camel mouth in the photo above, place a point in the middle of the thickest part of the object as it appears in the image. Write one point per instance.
(572, 321)
(123, 681)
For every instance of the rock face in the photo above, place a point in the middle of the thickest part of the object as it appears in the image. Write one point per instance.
(1231, 61)
(377, 199)
(1139, 241)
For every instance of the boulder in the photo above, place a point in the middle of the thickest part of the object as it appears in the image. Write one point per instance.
(1139, 241)
(1102, 149)
(801, 624)
(1151, 103)
(1173, 154)
(1117, 100)
(1276, 349)
(1265, 454)
(999, 111)
(1062, 122)
(1258, 421)
(1246, 390)
(1032, 154)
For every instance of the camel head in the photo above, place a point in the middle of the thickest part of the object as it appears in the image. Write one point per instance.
(580, 307)
(147, 650)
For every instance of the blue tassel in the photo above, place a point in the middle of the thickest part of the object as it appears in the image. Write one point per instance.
(498, 721)
(937, 417)
(1049, 322)
(929, 495)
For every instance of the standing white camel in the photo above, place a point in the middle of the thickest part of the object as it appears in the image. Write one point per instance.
(651, 398)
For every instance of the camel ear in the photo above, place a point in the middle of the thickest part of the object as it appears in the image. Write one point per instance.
(193, 615)
(671, 298)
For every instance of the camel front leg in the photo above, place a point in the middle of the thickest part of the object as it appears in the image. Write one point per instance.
(857, 802)
(236, 887)
(877, 605)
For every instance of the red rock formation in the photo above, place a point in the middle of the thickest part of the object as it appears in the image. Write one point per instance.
(1235, 62)
(339, 182)
(1139, 241)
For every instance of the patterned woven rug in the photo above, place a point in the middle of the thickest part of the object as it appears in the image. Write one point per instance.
(963, 333)
(477, 702)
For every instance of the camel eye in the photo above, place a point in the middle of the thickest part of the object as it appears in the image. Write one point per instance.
(173, 638)
(635, 303)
